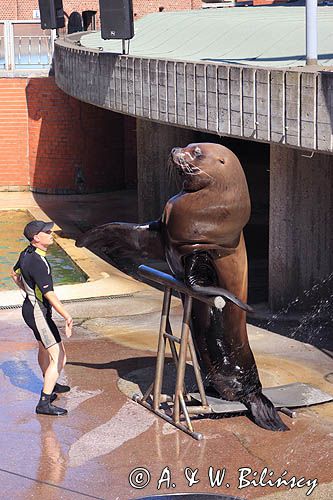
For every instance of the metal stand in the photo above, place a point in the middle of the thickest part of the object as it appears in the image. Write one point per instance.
(177, 408)
(178, 404)
(125, 51)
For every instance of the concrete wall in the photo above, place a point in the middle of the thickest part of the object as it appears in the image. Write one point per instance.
(301, 223)
(291, 107)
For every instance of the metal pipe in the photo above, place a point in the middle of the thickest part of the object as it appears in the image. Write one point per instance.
(170, 281)
(185, 412)
(197, 372)
(148, 392)
(195, 435)
(182, 357)
(311, 32)
(29, 50)
(19, 49)
(288, 412)
(172, 345)
(172, 340)
(172, 337)
(199, 410)
(161, 349)
(39, 50)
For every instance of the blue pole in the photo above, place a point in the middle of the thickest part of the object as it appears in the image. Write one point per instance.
(311, 32)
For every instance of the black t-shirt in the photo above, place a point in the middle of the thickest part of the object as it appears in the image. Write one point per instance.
(36, 272)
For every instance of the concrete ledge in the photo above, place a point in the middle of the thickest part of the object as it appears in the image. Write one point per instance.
(14, 188)
(284, 106)
(25, 73)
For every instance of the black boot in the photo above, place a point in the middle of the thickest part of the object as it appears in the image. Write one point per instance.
(59, 388)
(45, 407)
(53, 397)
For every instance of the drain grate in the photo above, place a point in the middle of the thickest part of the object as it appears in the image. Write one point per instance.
(15, 306)
(75, 301)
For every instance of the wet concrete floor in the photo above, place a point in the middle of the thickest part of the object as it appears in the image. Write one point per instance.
(92, 452)
(109, 447)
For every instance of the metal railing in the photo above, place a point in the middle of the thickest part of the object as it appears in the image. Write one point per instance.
(24, 46)
(2, 46)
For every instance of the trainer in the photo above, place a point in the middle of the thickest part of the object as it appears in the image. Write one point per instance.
(32, 273)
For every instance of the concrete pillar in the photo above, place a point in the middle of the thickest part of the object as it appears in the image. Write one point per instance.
(301, 223)
(130, 158)
(154, 143)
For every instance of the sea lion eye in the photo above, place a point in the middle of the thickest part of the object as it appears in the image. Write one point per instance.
(197, 151)
(222, 161)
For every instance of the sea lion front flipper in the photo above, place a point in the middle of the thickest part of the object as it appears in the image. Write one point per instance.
(122, 240)
(263, 413)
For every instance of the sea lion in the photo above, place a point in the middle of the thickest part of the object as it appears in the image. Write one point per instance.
(200, 234)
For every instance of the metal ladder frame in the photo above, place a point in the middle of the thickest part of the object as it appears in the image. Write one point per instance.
(177, 403)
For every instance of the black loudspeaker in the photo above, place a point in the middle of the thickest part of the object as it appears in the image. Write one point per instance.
(116, 19)
(51, 14)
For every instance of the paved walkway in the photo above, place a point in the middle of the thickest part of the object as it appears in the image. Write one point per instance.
(91, 452)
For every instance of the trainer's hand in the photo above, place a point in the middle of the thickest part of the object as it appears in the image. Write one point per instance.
(69, 327)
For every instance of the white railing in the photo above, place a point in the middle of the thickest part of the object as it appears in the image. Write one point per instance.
(24, 46)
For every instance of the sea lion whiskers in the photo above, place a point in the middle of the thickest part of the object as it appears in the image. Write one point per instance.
(171, 175)
(198, 170)
(188, 166)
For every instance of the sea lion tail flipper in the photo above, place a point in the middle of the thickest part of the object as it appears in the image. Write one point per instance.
(263, 413)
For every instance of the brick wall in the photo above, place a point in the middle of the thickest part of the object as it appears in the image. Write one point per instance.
(56, 144)
(8, 9)
(14, 161)
(22, 9)
(144, 7)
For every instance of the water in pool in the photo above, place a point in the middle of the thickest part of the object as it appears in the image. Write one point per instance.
(12, 242)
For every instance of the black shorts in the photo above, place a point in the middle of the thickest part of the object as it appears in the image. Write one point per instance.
(39, 319)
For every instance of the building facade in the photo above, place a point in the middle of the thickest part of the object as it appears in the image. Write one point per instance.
(24, 9)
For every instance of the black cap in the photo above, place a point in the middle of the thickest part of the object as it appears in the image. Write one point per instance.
(35, 227)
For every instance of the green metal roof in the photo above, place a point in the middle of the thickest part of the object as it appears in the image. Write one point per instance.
(259, 36)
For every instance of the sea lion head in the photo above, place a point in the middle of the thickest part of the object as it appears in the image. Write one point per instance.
(199, 164)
